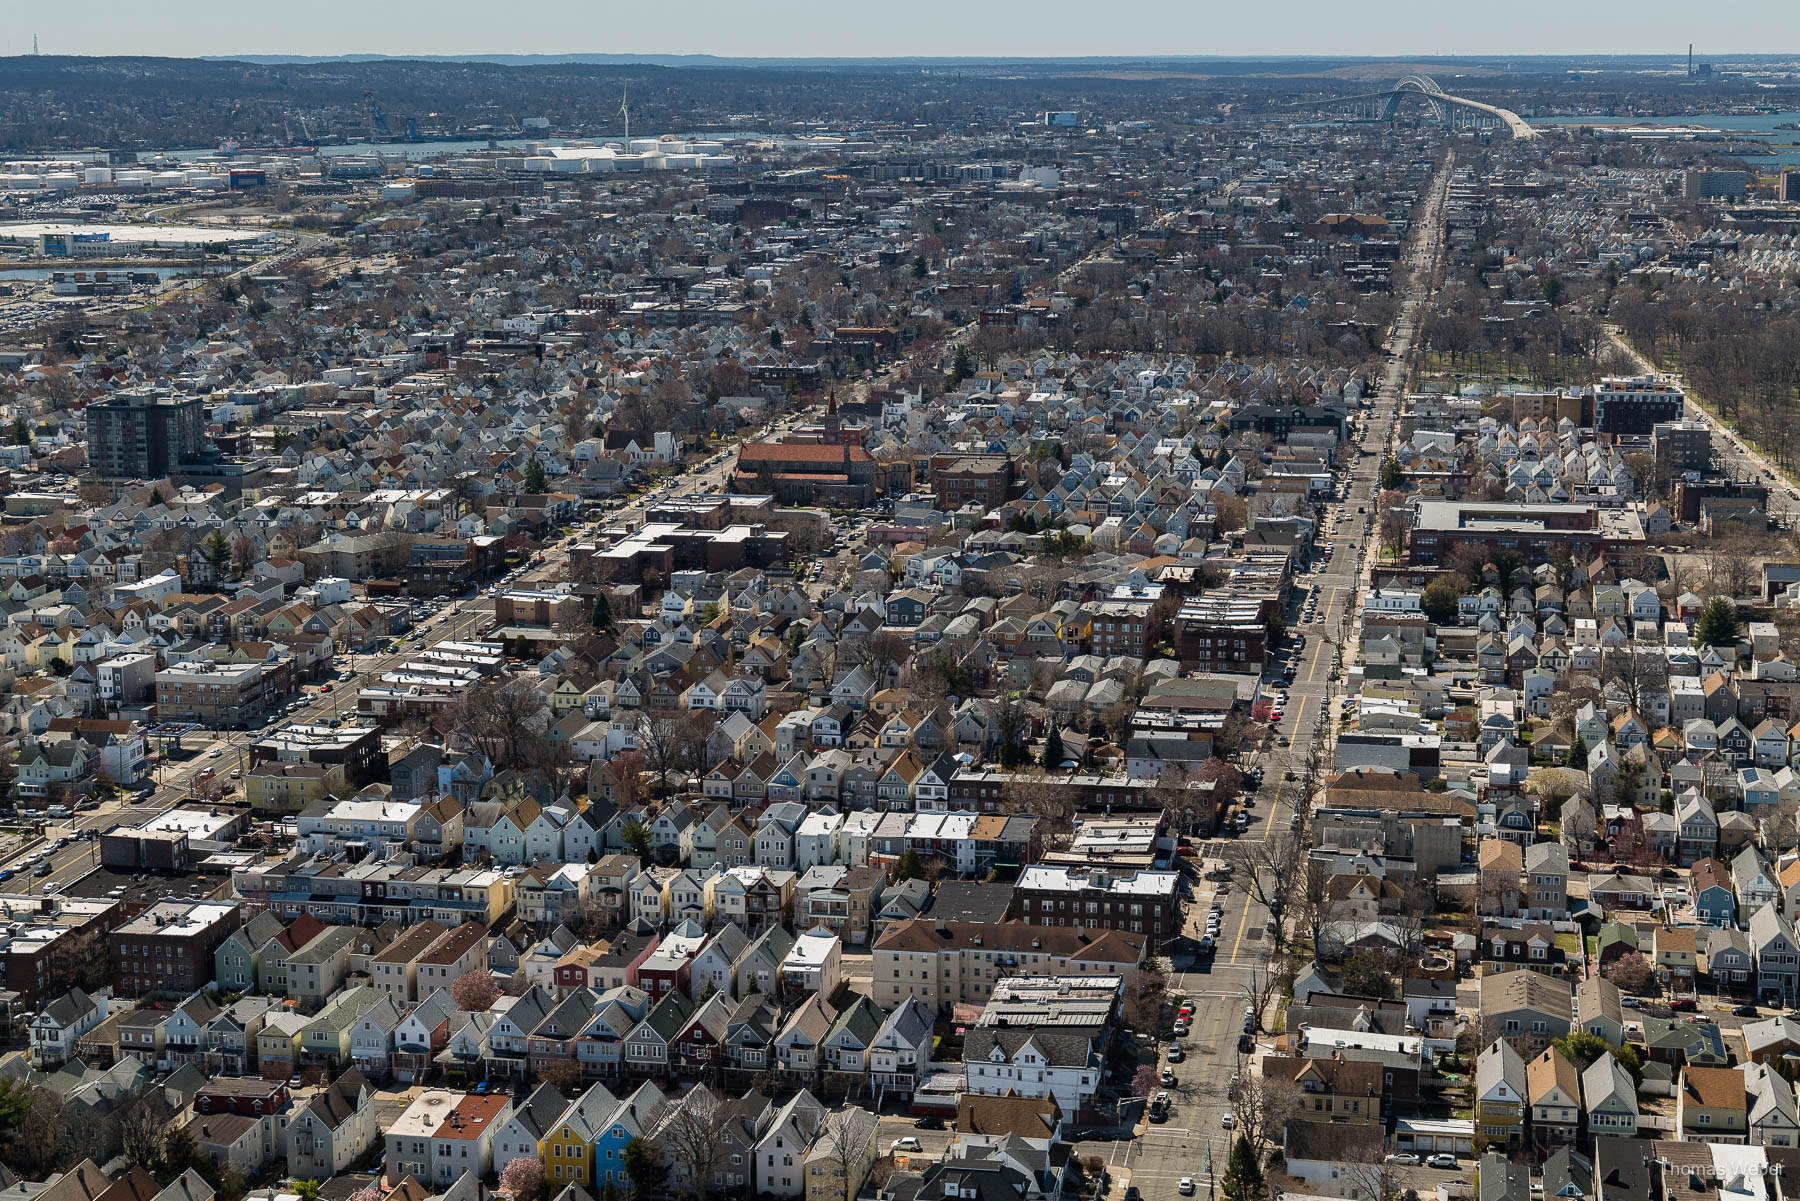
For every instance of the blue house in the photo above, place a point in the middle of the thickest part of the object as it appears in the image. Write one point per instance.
(1759, 789)
(1714, 902)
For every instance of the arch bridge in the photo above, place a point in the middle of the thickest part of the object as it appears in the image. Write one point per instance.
(1457, 111)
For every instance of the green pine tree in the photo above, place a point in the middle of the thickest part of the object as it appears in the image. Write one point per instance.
(1578, 752)
(637, 841)
(1718, 625)
(644, 1165)
(21, 432)
(910, 867)
(1392, 477)
(535, 479)
(217, 549)
(1243, 1179)
(1053, 748)
(603, 615)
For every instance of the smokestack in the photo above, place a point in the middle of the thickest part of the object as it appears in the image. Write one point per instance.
(1690, 60)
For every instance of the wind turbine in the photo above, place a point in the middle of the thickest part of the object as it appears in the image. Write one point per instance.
(625, 112)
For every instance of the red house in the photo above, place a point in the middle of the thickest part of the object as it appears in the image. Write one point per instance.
(699, 1047)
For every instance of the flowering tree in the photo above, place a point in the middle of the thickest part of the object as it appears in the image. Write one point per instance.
(522, 1178)
(474, 990)
(369, 1193)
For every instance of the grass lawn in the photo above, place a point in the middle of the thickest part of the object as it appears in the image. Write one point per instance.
(1568, 942)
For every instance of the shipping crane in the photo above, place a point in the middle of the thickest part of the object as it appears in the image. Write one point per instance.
(377, 119)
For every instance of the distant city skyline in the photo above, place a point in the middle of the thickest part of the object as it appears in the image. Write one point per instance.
(923, 28)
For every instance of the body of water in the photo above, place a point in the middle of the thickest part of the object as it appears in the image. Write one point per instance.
(1748, 126)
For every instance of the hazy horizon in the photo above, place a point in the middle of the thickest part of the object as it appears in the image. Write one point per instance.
(931, 29)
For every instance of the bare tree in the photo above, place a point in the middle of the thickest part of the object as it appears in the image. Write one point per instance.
(507, 719)
(1635, 672)
(1036, 793)
(883, 652)
(852, 1132)
(1371, 1177)
(1264, 1105)
(691, 1136)
(141, 1130)
(1579, 827)
(1144, 993)
(1260, 991)
(1266, 868)
(1312, 903)
(1781, 827)
(671, 744)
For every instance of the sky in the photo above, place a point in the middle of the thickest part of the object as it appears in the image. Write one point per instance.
(935, 28)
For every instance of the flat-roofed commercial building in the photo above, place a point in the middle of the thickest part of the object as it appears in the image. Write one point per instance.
(1535, 533)
(227, 695)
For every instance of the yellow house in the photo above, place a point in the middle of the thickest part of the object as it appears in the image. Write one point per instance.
(277, 787)
(567, 1148)
(565, 696)
(278, 1042)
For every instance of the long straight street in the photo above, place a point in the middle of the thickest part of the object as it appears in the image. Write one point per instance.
(1194, 1142)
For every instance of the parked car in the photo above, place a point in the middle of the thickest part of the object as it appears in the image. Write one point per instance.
(905, 1143)
(929, 1123)
(1176, 1055)
(1228, 1120)
(1185, 1186)
(1402, 1157)
(1683, 1005)
(1443, 1159)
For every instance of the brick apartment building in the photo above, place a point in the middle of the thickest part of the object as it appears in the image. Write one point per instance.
(956, 480)
(1143, 902)
(228, 695)
(1220, 632)
(168, 948)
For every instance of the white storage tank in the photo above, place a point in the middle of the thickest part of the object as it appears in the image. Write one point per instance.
(62, 180)
(98, 177)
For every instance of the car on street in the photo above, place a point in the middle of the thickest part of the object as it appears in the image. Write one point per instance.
(1744, 1011)
(1683, 1005)
(1176, 1055)
(1228, 1121)
(905, 1143)
(1443, 1159)
(1185, 1186)
(1401, 1157)
(214, 753)
(1166, 1077)
(929, 1123)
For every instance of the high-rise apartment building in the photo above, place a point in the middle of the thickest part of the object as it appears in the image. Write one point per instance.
(141, 435)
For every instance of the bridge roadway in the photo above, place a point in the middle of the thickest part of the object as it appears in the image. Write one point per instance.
(1428, 89)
